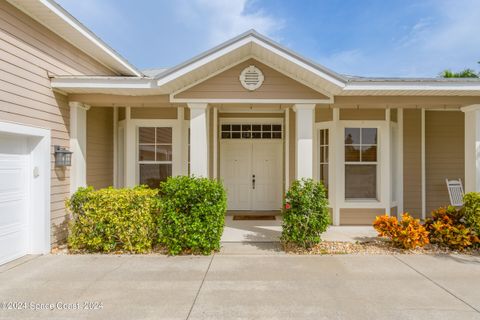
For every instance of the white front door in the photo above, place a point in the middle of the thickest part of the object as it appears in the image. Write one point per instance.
(14, 162)
(252, 173)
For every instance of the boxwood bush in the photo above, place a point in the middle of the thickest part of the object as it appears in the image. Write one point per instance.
(111, 219)
(192, 215)
(305, 214)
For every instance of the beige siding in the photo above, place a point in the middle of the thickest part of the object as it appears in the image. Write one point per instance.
(362, 114)
(412, 162)
(28, 53)
(444, 154)
(226, 85)
(351, 217)
(100, 147)
(322, 114)
(154, 113)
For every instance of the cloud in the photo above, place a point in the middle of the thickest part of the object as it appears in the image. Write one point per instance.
(94, 11)
(220, 20)
(446, 38)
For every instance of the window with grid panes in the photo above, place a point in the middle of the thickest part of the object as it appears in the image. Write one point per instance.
(154, 155)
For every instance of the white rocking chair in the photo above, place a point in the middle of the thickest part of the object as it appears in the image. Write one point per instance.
(455, 191)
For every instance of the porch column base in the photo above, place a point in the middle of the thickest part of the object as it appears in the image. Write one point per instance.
(198, 139)
(304, 121)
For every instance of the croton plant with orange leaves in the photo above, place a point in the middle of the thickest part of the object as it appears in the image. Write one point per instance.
(408, 233)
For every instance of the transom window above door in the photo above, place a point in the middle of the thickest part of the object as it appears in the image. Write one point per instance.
(154, 155)
(251, 131)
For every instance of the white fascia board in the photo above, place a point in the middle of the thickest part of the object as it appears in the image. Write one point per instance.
(238, 44)
(99, 83)
(420, 86)
(252, 101)
(201, 62)
(298, 62)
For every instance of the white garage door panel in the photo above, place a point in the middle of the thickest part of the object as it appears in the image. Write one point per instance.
(13, 197)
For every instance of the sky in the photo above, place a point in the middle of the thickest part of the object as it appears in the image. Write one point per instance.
(394, 38)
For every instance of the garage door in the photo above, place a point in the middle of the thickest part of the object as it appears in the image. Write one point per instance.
(14, 163)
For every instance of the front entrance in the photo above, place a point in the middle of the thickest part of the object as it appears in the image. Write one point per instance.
(252, 173)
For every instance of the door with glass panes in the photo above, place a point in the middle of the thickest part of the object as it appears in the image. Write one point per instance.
(251, 164)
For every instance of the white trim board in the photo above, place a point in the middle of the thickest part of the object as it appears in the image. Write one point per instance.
(39, 223)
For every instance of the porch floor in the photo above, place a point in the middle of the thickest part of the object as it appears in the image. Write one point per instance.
(254, 212)
(271, 230)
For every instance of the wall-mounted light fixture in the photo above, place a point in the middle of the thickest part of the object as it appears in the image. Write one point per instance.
(63, 157)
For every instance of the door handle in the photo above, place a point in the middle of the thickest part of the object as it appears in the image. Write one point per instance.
(253, 181)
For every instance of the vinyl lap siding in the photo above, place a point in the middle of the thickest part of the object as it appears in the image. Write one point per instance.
(28, 54)
(412, 162)
(227, 85)
(444, 154)
(100, 147)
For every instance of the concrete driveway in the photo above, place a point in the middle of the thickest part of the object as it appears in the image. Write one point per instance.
(243, 286)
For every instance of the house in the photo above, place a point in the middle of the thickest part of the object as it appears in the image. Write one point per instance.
(249, 112)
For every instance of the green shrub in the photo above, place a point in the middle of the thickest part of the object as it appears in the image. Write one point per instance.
(111, 219)
(471, 211)
(192, 214)
(305, 213)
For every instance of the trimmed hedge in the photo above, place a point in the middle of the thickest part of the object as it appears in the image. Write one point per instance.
(192, 214)
(305, 214)
(108, 220)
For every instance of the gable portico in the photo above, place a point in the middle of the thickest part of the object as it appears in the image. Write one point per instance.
(369, 141)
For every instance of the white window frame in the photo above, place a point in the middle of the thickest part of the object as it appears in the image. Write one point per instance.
(359, 163)
(382, 164)
(336, 157)
(331, 163)
(132, 143)
(155, 144)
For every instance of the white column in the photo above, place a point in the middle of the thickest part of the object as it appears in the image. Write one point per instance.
(286, 131)
(78, 145)
(472, 148)
(399, 155)
(304, 139)
(198, 139)
(215, 143)
(423, 168)
(386, 155)
(336, 142)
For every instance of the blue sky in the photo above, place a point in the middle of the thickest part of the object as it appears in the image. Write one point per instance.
(358, 37)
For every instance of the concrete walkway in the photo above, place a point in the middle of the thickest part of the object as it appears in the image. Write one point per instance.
(245, 287)
(271, 230)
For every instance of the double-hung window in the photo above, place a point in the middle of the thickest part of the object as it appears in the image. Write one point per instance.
(154, 155)
(361, 163)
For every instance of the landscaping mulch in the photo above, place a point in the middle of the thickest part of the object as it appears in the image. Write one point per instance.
(373, 247)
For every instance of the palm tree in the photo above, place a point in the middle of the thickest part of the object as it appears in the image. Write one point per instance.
(466, 73)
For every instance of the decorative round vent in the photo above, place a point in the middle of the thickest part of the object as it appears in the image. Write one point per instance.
(251, 78)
